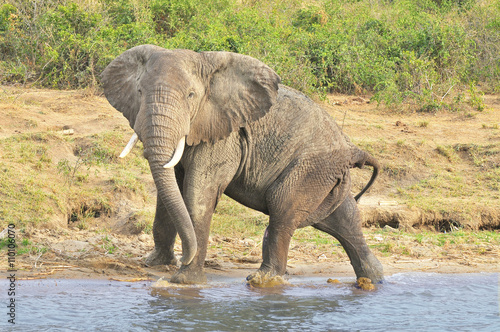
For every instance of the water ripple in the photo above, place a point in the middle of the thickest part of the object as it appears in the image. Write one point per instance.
(405, 302)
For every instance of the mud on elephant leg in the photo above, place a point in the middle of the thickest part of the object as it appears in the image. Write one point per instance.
(164, 234)
(345, 225)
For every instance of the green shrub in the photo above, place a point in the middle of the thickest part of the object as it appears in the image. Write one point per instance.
(8, 14)
(421, 53)
(170, 16)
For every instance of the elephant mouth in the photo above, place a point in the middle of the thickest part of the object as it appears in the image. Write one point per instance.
(179, 150)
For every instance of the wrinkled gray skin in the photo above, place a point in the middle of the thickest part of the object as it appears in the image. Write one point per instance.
(265, 145)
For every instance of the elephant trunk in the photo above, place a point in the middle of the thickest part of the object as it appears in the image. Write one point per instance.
(162, 131)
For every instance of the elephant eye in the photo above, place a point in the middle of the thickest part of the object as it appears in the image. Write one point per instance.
(191, 95)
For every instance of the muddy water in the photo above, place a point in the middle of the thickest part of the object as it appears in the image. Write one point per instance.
(405, 302)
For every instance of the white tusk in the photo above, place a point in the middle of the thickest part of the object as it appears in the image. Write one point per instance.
(177, 154)
(130, 145)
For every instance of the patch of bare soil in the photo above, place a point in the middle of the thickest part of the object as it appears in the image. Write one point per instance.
(66, 251)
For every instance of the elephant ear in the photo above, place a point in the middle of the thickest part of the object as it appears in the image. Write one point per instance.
(240, 89)
(120, 80)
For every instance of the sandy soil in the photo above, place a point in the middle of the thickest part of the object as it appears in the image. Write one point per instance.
(76, 253)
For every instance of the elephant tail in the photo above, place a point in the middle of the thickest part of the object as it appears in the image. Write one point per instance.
(369, 160)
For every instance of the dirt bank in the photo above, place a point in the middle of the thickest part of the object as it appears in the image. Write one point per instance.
(87, 254)
(80, 211)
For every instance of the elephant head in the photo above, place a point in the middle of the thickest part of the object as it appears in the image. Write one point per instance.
(177, 97)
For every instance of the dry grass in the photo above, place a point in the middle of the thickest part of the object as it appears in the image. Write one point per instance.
(448, 170)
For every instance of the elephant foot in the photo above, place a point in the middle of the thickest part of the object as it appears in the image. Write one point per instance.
(371, 269)
(160, 257)
(262, 279)
(188, 276)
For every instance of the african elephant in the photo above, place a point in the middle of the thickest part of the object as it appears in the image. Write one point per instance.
(220, 122)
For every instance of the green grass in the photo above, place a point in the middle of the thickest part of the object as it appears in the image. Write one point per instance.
(27, 195)
(449, 191)
(108, 246)
(401, 242)
(24, 246)
(34, 188)
(235, 221)
(143, 220)
(448, 152)
(423, 124)
(126, 180)
(232, 219)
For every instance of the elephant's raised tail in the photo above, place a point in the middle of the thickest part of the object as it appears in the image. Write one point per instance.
(369, 160)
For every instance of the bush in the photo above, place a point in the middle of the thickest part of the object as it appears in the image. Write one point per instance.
(64, 45)
(415, 52)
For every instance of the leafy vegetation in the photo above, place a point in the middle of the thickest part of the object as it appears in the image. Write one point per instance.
(427, 54)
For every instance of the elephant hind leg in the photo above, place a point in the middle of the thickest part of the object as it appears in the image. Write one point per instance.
(345, 225)
(292, 200)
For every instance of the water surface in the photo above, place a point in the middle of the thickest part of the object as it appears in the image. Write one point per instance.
(405, 302)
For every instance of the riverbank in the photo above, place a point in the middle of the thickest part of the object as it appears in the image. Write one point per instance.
(93, 254)
(81, 212)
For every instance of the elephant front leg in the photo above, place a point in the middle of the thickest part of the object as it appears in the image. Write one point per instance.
(164, 234)
(209, 172)
(275, 245)
(345, 225)
(193, 273)
(201, 206)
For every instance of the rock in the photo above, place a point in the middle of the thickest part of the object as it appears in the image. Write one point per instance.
(248, 242)
(390, 229)
(144, 237)
(160, 283)
(72, 247)
(387, 203)
(3, 233)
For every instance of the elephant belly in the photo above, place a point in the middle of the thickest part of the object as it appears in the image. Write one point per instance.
(294, 143)
(253, 198)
